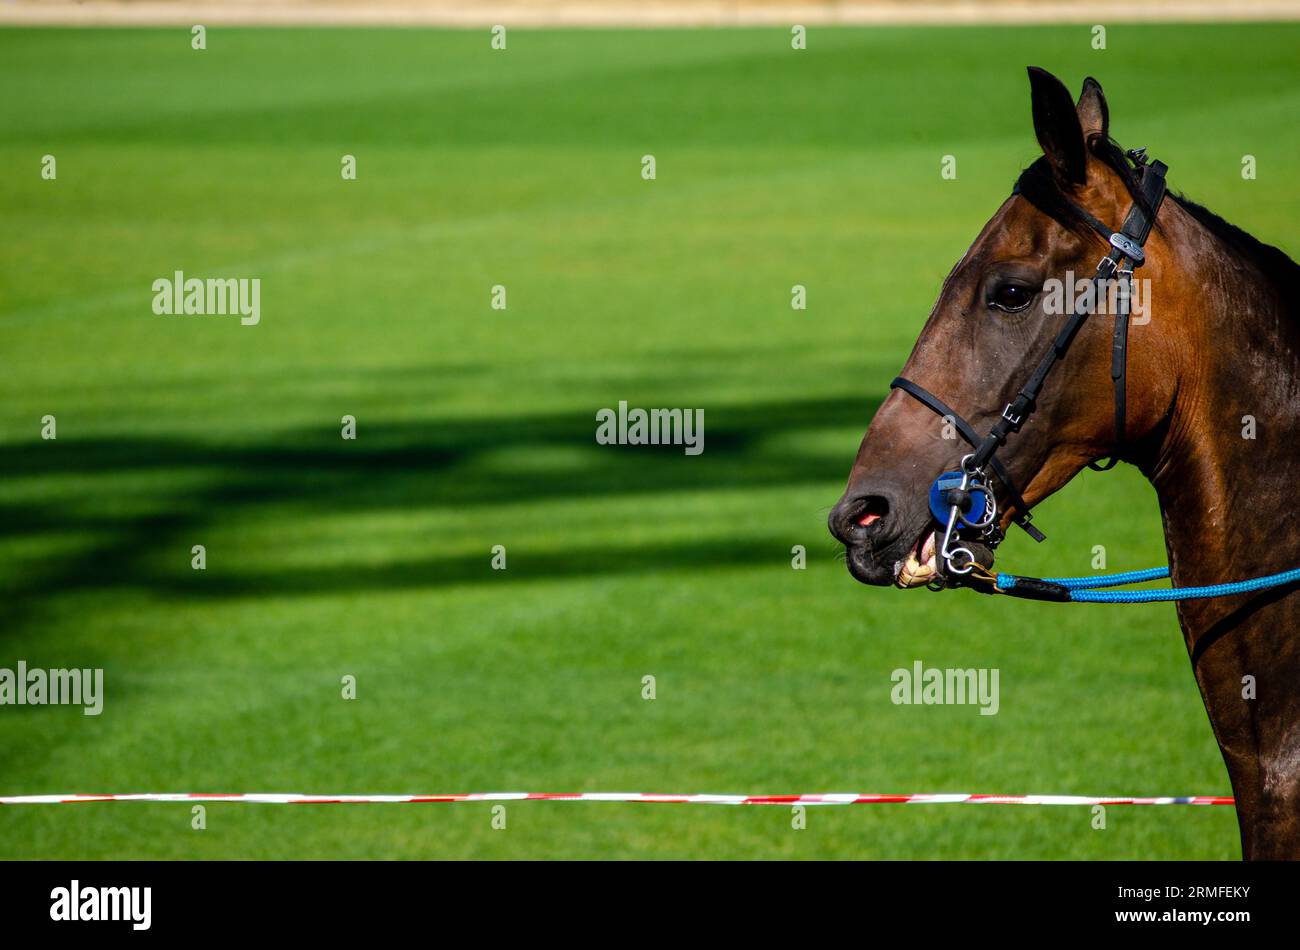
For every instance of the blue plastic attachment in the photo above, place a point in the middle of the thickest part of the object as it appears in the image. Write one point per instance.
(940, 506)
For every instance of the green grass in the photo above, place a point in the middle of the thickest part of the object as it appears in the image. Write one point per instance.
(371, 558)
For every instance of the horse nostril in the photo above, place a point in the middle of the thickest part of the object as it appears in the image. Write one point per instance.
(874, 508)
(855, 516)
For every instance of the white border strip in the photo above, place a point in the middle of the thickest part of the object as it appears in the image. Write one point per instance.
(629, 13)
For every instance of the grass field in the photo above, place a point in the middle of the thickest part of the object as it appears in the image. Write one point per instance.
(370, 558)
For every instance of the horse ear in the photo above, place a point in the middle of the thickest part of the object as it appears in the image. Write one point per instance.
(1057, 126)
(1094, 116)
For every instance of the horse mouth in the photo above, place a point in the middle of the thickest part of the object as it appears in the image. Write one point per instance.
(883, 563)
(919, 567)
(881, 559)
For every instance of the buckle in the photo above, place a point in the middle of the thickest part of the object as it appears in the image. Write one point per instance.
(1128, 247)
(1011, 417)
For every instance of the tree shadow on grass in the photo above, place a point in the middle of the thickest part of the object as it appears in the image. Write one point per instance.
(455, 464)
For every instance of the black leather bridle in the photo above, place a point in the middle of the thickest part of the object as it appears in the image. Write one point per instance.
(1125, 248)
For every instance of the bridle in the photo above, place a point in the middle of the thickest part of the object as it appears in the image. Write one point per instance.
(962, 501)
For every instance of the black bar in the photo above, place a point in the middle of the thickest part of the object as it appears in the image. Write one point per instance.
(980, 902)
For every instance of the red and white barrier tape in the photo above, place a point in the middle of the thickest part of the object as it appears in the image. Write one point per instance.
(848, 798)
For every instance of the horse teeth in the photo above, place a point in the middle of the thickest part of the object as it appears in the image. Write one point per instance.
(917, 571)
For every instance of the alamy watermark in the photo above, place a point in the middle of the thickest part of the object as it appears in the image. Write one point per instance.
(1104, 296)
(634, 426)
(56, 687)
(920, 686)
(225, 296)
(84, 902)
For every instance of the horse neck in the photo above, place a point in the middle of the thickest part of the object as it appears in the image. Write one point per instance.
(1227, 502)
(1226, 472)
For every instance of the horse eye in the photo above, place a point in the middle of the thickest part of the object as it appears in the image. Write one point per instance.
(1011, 297)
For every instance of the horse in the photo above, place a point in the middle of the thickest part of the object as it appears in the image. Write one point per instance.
(1221, 343)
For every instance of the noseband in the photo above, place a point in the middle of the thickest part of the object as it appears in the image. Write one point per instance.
(962, 502)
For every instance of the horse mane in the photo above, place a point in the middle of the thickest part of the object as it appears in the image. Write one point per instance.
(1040, 187)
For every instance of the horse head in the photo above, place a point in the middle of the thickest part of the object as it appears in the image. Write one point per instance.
(1000, 312)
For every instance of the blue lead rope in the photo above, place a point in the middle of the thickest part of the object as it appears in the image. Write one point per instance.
(1107, 580)
(1079, 589)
